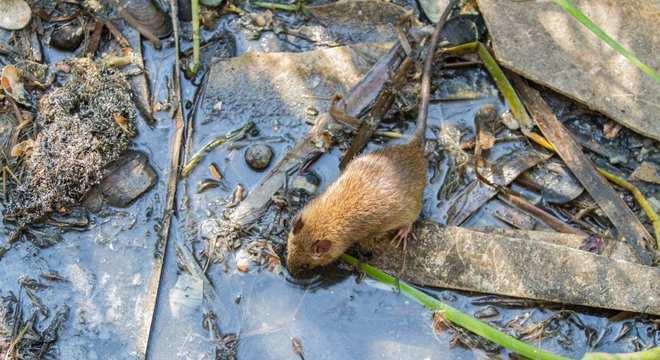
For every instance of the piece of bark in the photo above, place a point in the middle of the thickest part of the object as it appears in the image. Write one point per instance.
(570, 152)
(459, 258)
(316, 141)
(544, 43)
(94, 39)
(140, 83)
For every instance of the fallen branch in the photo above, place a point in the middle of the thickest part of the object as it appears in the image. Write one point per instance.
(539, 213)
(196, 38)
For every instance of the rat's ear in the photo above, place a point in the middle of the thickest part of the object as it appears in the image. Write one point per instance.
(320, 247)
(297, 224)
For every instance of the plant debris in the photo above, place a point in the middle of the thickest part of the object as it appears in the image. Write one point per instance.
(27, 338)
(78, 137)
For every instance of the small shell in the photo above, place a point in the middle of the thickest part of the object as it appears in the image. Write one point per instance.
(12, 84)
(67, 37)
(14, 14)
(243, 264)
(148, 15)
(207, 184)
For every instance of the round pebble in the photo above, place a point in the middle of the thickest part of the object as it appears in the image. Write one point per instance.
(258, 156)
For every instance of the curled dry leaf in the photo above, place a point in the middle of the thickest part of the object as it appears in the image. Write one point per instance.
(24, 148)
(12, 85)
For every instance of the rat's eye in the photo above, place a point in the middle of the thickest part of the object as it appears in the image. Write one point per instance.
(321, 247)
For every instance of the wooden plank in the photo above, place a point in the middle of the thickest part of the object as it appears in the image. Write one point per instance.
(459, 258)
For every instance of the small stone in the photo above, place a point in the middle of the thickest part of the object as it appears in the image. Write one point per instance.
(618, 159)
(258, 156)
(260, 20)
(67, 37)
(463, 29)
(217, 107)
(93, 201)
(130, 177)
(137, 279)
(487, 312)
(509, 121)
(308, 182)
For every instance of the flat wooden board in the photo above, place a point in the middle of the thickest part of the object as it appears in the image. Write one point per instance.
(510, 265)
(542, 42)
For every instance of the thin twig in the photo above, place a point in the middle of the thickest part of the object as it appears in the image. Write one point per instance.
(233, 135)
(160, 248)
(195, 35)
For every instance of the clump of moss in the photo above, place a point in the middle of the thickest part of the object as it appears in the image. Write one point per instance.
(83, 126)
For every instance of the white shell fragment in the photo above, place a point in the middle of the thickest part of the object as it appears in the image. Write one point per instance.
(14, 14)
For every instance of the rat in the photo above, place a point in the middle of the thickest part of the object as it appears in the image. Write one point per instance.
(377, 193)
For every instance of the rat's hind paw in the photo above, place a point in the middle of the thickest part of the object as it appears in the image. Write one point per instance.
(401, 237)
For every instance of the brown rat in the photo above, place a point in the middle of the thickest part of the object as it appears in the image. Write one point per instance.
(377, 193)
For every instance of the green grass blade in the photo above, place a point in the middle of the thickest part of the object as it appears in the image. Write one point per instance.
(579, 16)
(651, 354)
(196, 36)
(454, 315)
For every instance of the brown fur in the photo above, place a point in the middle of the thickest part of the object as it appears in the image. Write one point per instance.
(377, 193)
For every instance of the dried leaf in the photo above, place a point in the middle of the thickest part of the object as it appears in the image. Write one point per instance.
(24, 148)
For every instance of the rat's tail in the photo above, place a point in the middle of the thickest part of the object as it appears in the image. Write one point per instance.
(425, 92)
